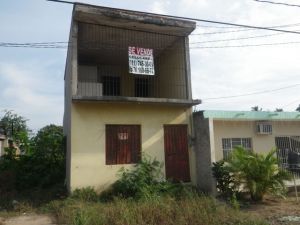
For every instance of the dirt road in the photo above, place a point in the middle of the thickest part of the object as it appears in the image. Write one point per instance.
(28, 220)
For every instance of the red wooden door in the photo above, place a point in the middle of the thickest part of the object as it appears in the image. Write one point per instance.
(176, 153)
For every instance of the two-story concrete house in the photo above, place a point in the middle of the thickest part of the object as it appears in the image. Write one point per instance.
(127, 92)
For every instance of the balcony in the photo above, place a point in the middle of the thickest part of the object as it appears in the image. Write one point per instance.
(103, 68)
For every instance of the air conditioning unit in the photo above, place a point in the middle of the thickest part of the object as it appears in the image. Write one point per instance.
(264, 128)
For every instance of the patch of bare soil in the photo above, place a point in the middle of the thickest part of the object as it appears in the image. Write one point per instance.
(28, 220)
(277, 211)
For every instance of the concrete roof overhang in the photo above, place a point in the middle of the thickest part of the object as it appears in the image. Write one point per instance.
(132, 20)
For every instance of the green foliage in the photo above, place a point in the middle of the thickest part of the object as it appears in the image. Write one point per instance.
(193, 210)
(226, 183)
(259, 174)
(48, 142)
(87, 194)
(42, 167)
(144, 181)
(15, 127)
(45, 165)
(256, 108)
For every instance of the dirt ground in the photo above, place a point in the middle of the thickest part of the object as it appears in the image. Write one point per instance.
(28, 220)
(277, 211)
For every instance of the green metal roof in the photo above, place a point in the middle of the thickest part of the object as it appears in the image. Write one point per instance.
(251, 115)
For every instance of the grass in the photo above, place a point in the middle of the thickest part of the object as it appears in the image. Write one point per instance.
(86, 208)
(192, 210)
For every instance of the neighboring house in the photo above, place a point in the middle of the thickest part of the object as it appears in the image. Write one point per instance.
(127, 92)
(3, 144)
(2, 138)
(218, 132)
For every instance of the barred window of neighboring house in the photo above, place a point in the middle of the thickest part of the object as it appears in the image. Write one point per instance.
(123, 144)
(228, 144)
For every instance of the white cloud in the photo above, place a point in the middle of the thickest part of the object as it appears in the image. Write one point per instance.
(160, 7)
(31, 81)
(32, 93)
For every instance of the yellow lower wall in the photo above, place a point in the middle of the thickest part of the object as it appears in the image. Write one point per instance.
(246, 129)
(88, 121)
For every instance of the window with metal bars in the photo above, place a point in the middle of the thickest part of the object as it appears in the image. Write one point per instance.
(288, 149)
(111, 86)
(123, 144)
(228, 144)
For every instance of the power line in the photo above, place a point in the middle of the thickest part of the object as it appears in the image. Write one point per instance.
(115, 46)
(277, 3)
(247, 45)
(298, 100)
(186, 18)
(242, 30)
(236, 39)
(252, 93)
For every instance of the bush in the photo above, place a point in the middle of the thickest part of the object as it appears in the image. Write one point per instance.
(259, 174)
(226, 183)
(145, 181)
(41, 167)
(87, 194)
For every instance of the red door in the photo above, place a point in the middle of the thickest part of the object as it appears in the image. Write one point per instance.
(176, 153)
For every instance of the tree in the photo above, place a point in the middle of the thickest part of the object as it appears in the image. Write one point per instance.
(298, 108)
(278, 110)
(258, 173)
(44, 166)
(256, 108)
(16, 129)
(48, 142)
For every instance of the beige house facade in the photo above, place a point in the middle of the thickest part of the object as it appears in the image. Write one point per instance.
(127, 93)
(218, 132)
(3, 144)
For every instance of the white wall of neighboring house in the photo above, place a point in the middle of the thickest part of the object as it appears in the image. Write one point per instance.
(1, 146)
(261, 143)
(218, 131)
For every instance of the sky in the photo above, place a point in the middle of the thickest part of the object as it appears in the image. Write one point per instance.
(32, 84)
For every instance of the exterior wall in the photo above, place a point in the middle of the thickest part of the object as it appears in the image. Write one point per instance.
(3, 144)
(88, 138)
(246, 129)
(171, 66)
(70, 89)
(205, 154)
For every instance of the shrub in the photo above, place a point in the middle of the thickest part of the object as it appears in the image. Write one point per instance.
(145, 181)
(87, 194)
(259, 174)
(43, 166)
(226, 183)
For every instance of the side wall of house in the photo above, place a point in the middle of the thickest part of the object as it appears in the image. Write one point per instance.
(205, 155)
(70, 89)
(88, 166)
(261, 143)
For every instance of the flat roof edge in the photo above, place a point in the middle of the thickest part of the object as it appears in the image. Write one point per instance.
(251, 115)
(187, 26)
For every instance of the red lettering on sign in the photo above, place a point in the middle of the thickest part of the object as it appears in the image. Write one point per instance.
(140, 51)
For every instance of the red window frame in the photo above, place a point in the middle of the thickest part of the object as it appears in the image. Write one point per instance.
(123, 144)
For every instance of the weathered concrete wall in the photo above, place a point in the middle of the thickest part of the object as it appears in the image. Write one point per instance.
(204, 149)
(69, 90)
(88, 166)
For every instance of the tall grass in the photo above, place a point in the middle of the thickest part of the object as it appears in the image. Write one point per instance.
(192, 210)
